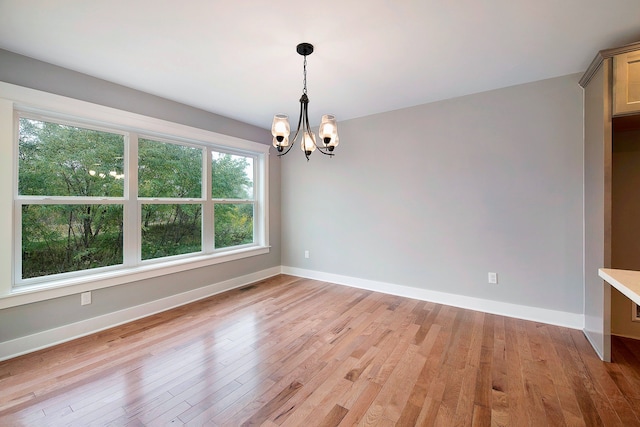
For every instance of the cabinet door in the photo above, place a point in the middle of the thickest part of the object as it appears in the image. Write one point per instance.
(626, 83)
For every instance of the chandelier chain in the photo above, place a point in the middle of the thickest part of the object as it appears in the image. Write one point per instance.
(304, 81)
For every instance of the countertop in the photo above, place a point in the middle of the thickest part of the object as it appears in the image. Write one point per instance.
(626, 281)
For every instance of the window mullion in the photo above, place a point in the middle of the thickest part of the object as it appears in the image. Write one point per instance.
(207, 208)
(257, 182)
(131, 226)
(17, 252)
(261, 194)
(9, 132)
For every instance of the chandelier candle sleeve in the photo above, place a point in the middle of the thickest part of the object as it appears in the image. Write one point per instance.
(328, 130)
(308, 143)
(280, 131)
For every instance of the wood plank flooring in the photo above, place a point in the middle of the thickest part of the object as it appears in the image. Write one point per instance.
(295, 352)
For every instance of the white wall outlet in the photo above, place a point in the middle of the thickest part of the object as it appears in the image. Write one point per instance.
(493, 277)
(85, 298)
(306, 254)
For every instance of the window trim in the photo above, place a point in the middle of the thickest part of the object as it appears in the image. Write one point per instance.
(58, 108)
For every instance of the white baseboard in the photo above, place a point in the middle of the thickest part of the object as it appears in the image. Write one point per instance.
(536, 314)
(51, 337)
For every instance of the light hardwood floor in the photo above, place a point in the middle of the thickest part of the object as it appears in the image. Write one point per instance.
(297, 352)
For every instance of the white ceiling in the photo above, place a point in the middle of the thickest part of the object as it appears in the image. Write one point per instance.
(238, 58)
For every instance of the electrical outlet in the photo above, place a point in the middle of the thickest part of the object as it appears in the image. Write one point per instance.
(493, 278)
(85, 298)
(306, 254)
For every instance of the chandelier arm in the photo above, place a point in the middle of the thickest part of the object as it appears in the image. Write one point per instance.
(303, 101)
(305, 124)
(293, 140)
(286, 151)
(320, 149)
(291, 144)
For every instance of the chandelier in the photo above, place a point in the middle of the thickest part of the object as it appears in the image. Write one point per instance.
(328, 130)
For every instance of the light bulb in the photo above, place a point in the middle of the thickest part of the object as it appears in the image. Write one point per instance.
(328, 130)
(308, 143)
(280, 128)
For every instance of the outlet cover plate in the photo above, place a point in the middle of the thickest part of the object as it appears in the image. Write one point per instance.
(85, 298)
(493, 278)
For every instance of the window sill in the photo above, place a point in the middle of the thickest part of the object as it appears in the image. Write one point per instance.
(54, 289)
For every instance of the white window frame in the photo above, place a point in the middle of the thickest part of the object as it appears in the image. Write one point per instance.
(21, 200)
(257, 228)
(33, 103)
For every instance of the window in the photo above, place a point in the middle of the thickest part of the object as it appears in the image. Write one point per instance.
(95, 198)
(169, 175)
(232, 193)
(71, 197)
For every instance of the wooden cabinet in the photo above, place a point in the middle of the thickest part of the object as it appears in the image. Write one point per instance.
(626, 83)
(611, 100)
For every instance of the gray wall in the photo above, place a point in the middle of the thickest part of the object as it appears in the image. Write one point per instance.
(438, 195)
(28, 319)
(433, 197)
(28, 72)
